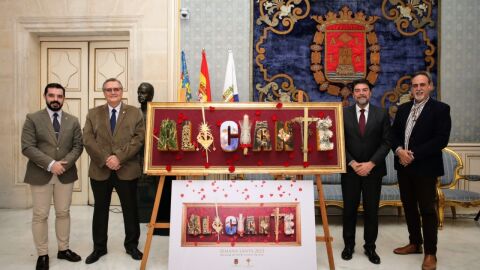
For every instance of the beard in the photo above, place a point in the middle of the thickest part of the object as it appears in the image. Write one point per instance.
(54, 106)
(362, 101)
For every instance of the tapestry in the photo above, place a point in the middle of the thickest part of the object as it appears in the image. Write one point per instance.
(311, 50)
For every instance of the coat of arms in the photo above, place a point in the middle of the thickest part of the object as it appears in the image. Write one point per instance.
(339, 51)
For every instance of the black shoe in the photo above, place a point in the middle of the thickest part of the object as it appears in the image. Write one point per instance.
(69, 256)
(372, 256)
(42, 263)
(95, 255)
(347, 253)
(135, 253)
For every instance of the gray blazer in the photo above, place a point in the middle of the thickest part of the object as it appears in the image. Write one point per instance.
(41, 147)
(125, 143)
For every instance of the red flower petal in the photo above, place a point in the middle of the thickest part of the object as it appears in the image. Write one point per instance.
(219, 123)
(306, 164)
(286, 164)
(258, 113)
(231, 169)
(207, 165)
(168, 168)
(321, 114)
(279, 105)
(211, 108)
(274, 118)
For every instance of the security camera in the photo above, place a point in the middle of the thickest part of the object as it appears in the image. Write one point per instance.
(184, 14)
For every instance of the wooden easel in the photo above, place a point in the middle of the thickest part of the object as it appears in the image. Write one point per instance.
(153, 223)
(164, 225)
(326, 231)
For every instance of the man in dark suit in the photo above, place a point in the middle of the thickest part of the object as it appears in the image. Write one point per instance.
(420, 131)
(113, 135)
(52, 142)
(367, 142)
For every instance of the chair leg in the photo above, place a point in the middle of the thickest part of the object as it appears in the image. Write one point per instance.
(478, 216)
(441, 215)
(454, 212)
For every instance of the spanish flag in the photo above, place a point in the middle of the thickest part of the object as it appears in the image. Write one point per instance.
(185, 93)
(204, 93)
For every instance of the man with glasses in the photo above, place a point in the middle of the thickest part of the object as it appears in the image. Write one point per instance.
(420, 131)
(113, 135)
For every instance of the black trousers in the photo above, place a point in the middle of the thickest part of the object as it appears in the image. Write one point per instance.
(354, 187)
(419, 198)
(127, 192)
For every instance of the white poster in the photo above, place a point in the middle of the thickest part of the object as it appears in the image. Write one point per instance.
(242, 225)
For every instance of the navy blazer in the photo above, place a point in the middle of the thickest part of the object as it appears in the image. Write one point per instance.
(429, 136)
(374, 145)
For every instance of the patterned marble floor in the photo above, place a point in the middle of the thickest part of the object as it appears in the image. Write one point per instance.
(459, 244)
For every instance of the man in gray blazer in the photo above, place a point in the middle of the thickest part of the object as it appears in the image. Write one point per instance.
(113, 135)
(367, 142)
(52, 142)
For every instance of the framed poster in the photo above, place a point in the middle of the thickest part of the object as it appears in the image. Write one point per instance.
(242, 225)
(222, 138)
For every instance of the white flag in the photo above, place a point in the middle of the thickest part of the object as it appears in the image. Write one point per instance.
(230, 89)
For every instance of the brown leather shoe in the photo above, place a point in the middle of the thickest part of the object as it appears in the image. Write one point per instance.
(429, 262)
(408, 249)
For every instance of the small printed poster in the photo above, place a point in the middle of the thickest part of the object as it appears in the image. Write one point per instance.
(242, 224)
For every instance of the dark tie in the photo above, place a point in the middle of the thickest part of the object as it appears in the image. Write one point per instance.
(113, 120)
(56, 124)
(361, 122)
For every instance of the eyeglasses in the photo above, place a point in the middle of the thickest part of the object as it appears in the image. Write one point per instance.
(115, 90)
(416, 85)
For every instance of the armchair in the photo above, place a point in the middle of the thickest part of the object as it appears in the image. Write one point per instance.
(448, 194)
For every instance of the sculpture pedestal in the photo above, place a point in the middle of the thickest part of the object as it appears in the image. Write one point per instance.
(146, 188)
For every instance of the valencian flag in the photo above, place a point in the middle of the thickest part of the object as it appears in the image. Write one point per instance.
(230, 89)
(185, 93)
(204, 93)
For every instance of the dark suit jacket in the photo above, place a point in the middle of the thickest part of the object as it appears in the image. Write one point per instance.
(373, 145)
(41, 147)
(125, 143)
(429, 136)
